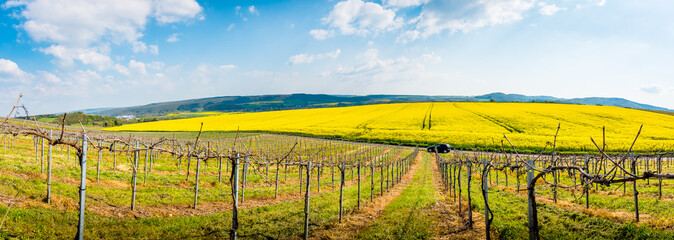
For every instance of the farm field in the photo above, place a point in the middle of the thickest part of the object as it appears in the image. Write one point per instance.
(402, 193)
(530, 126)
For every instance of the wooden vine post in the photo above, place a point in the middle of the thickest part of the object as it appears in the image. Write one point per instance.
(358, 205)
(587, 187)
(244, 178)
(114, 157)
(531, 203)
(470, 207)
(135, 175)
(98, 163)
(372, 161)
(306, 202)
(659, 180)
(485, 189)
(459, 183)
(196, 184)
(341, 191)
(278, 168)
(147, 153)
(188, 163)
(83, 186)
(235, 197)
(636, 193)
(49, 171)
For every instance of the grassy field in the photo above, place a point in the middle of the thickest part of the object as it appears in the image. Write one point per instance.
(417, 207)
(530, 126)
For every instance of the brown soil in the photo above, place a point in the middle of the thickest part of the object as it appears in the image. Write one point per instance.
(359, 219)
(449, 224)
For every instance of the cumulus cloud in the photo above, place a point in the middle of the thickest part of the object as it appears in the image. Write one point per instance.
(83, 30)
(137, 67)
(96, 57)
(253, 10)
(404, 3)
(376, 69)
(11, 73)
(464, 16)
(320, 34)
(549, 10)
(362, 18)
(309, 58)
(49, 77)
(228, 67)
(171, 11)
(654, 89)
(172, 38)
(590, 3)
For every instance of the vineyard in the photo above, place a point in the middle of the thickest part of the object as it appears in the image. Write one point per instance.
(59, 183)
(464, 125)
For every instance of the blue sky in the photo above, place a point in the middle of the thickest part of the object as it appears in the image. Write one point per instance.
(74, 54)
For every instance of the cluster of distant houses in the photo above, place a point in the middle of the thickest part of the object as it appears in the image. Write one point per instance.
(127, 117)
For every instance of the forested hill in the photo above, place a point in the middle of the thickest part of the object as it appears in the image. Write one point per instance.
(299, 101)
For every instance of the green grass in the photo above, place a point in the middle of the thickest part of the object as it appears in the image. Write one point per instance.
(510, 219)
(403, 218)
(279, 220)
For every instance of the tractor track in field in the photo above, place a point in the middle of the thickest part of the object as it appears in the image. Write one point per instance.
(359, 219)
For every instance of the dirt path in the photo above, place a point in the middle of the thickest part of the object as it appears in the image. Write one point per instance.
(359, 219)
(449, 224)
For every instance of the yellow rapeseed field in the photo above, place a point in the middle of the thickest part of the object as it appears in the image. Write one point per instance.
(530, 126)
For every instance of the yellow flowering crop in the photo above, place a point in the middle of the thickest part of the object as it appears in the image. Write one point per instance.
(528, 125)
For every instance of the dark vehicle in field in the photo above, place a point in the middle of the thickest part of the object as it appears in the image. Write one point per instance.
(441, 148)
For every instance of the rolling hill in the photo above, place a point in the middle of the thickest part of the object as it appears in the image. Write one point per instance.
(301, 101)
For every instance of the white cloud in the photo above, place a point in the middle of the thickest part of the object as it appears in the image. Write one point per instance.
(362, 18)
(49, 77)
(404, 3)
(549, 10)
(13, 3)
(170, 11)
(590, 3)
(320, 34)
(122, 70)
(230, 27)
(309, 58)
(11, 73)
(139, 46)
(253, 10)
(408, 36)
(653, 89)
(228, 67)
(137, 67)
(173, 38)
(464, 16)
(154, 49)
(66, 56)
(155, 65)
(81, 22)
(260, 74)
(375, 69)
(84, 77)
(83, 30)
